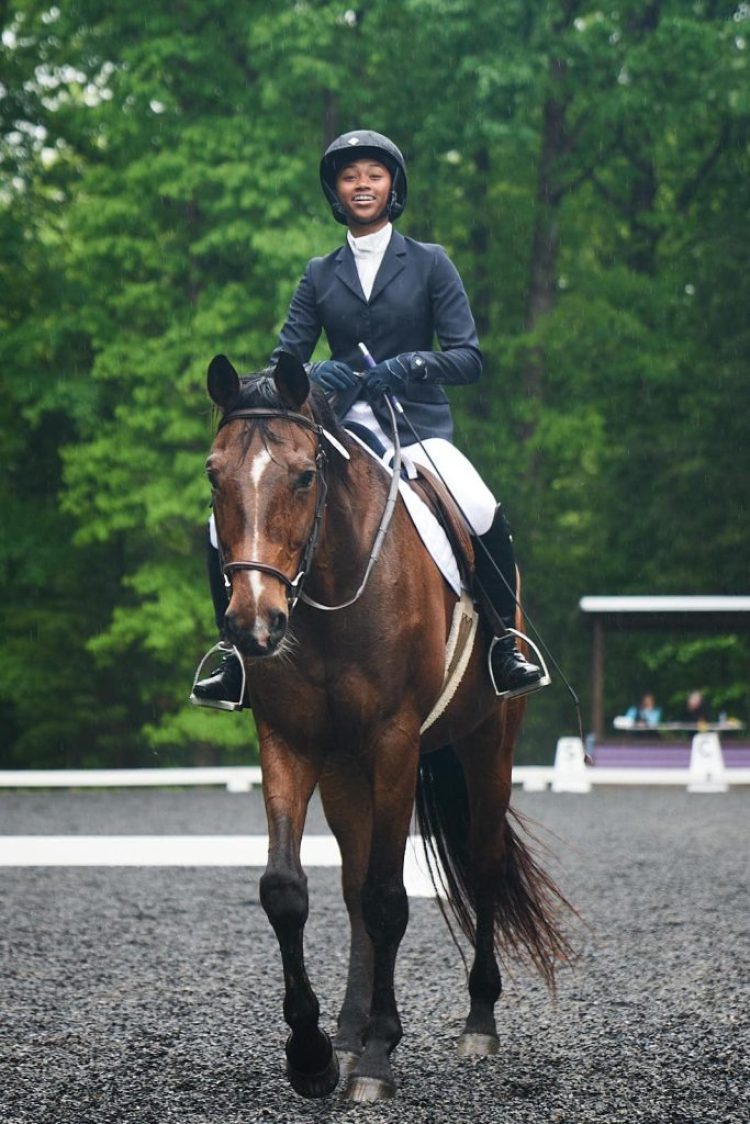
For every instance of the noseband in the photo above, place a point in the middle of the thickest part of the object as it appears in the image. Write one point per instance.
(293, 585)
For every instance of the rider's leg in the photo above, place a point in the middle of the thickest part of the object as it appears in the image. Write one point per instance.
(220, 690)
(216, 583)
(495, 558)
(496, 577)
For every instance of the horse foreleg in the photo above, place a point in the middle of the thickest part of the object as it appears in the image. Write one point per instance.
(385, 911)
(348, 808)
(288, 783)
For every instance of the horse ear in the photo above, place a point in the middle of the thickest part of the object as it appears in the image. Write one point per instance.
(223, 381)
(291, 380)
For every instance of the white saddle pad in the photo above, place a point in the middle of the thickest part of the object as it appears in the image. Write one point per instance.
(431, 533)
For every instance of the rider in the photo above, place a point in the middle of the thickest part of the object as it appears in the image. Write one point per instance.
(394, 294)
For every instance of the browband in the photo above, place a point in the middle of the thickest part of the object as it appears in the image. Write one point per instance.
(297, 419)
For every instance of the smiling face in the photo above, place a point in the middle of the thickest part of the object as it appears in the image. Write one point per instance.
(364, 190)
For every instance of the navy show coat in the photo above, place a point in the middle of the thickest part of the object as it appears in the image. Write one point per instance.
(417, 295)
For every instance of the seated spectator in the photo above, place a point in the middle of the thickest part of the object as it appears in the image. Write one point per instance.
(696, 709)
(647, 713)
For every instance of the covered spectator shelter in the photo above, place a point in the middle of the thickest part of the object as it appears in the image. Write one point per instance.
(666, 614)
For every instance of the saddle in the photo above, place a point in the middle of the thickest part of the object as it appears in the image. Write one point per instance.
(438, 499)
(428, 488)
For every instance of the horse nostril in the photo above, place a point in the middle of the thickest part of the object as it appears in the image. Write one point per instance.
(277, 620)
(230, 625)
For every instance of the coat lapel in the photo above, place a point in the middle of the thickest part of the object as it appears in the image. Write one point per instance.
(394, 260)
(346, 271)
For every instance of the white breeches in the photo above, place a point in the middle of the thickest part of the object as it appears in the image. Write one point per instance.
(459, 475)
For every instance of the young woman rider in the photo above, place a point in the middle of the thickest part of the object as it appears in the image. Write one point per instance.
(395, 295)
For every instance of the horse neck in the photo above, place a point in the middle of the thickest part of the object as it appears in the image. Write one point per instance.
(354, 509)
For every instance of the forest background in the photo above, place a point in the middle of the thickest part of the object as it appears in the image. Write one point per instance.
(586, 165)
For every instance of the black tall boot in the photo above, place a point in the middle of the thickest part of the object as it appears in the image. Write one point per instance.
(496, 584)
(222, 689)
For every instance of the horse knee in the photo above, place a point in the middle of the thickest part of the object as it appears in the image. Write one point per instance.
(283, 895)
(385, 910)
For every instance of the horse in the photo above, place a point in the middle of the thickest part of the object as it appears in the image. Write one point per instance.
(339, 699)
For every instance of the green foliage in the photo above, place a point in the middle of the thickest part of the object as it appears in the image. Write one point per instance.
(586, 165)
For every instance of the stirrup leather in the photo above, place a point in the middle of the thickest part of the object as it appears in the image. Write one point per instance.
(220, 704)
(513, 694)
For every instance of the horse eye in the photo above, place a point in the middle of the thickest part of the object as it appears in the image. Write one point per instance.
(211, 476)
(305, 479)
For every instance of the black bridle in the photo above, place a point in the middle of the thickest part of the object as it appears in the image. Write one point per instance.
(293, 585)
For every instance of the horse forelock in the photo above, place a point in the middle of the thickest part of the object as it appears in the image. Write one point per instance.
(258, 391)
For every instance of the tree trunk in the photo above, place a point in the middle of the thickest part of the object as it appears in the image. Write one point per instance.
(475, 398)
(543, 280)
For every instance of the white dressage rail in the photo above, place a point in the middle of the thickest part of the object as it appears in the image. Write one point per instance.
(235, 778)
(538, 778)
(706, 773)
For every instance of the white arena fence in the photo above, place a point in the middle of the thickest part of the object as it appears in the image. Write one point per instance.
(706, 773)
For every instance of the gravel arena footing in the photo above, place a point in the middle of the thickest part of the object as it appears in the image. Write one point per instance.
(152, 995)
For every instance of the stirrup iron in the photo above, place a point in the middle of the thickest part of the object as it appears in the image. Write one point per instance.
(220, 704)
(518, 691)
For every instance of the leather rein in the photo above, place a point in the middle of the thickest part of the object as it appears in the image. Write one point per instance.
(294, 585)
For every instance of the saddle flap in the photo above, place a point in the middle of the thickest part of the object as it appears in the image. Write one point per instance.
(434, 493)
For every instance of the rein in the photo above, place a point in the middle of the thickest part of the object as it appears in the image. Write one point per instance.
(294, 585)
(385, 522)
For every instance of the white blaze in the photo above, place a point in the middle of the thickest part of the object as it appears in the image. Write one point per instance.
(259, 466)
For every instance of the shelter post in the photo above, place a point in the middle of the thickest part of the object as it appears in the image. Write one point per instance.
(597, 679)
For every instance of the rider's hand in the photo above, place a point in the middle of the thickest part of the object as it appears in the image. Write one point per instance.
(333, 376)
(388, 377)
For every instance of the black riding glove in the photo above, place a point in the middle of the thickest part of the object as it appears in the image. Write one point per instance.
(333, 375)
(388, 377)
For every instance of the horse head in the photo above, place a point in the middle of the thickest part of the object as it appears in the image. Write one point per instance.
(268, 488)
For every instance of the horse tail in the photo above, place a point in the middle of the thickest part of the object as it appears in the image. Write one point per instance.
(528, 904)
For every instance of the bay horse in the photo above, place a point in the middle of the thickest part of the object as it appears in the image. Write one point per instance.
(339, 698)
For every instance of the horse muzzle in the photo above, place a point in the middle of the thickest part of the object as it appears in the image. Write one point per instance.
(258, 637)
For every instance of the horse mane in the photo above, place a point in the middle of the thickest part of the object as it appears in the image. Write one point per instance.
(258, 391)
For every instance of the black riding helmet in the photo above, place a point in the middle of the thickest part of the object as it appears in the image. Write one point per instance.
(354, 146)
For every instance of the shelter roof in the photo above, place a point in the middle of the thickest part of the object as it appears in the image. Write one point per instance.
(702, 612)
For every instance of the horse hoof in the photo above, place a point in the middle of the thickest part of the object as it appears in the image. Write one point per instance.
(315, 1084)
(347, 1061)
(367, 1089)
(478, 1045)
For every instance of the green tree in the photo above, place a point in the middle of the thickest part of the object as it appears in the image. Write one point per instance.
(585, 164)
